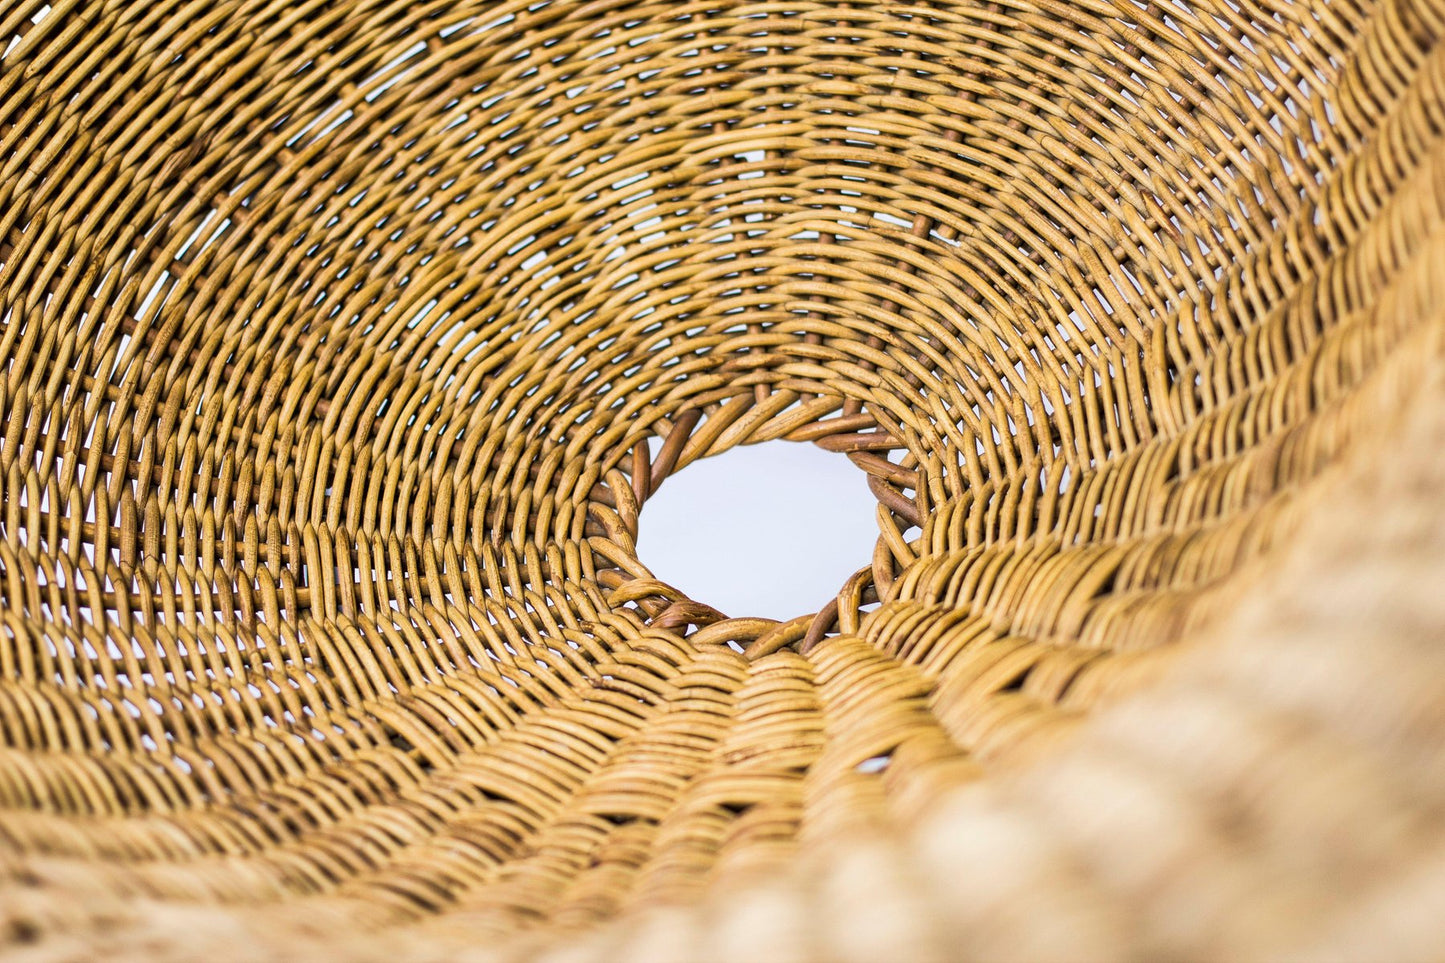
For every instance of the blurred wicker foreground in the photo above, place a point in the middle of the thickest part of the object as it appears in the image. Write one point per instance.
(344, 340)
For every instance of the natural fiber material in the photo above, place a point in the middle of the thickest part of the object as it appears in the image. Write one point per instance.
(345, 341)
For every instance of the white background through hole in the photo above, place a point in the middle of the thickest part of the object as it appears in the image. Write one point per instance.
(770, 530)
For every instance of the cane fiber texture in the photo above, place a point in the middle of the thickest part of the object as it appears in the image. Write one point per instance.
(344, 341)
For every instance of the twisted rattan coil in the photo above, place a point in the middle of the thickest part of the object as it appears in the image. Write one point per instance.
(345, 339)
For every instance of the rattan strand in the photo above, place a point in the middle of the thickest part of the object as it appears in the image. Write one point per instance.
(345, 341)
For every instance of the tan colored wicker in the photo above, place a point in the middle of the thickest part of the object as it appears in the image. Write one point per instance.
(344, 340)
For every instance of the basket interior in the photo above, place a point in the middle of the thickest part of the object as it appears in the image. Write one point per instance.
(344, 342)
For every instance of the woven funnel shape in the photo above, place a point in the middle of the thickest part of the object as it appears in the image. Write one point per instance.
(345, 340)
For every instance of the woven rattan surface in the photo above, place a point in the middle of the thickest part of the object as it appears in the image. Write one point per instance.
(344, 342)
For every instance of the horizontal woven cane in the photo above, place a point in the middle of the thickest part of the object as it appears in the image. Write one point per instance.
(344, 342)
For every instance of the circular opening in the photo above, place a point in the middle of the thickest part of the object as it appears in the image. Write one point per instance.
(770, 530)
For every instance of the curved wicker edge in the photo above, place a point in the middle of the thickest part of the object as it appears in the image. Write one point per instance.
(1277, 795)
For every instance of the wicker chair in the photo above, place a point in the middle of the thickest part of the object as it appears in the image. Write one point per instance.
(344, 341)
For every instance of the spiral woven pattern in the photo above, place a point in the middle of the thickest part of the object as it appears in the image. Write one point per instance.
(345, 340)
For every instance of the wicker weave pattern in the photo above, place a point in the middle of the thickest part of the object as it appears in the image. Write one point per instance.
(336, 334)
